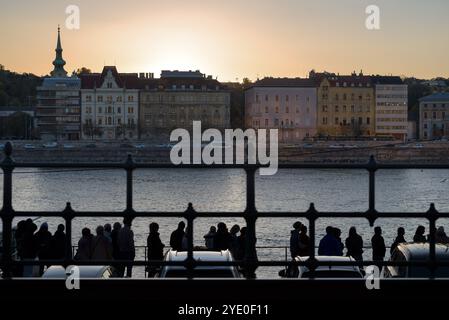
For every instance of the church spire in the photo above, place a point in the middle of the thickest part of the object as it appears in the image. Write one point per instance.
(59, 62)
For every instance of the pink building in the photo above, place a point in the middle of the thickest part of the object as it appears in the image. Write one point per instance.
(287, 104)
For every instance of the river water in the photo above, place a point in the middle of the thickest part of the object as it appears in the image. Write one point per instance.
(224, 190)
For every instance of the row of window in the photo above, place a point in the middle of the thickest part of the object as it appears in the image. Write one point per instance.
(391, 111)
(203, 98)
(344, 121)
(325, 96)
(278, 109)
(352, 109)
(391, 120)
(277, 98)
(436, 115)
(109, 121)
(109, 98)
(109, 110)
(435, 105)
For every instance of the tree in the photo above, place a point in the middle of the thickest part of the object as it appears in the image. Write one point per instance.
(82, 70)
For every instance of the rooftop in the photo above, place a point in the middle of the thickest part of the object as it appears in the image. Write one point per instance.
(283, 82)
(436, 97)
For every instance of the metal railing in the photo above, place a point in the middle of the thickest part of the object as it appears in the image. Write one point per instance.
(250, 261)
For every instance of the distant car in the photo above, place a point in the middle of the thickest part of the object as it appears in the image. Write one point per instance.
(139, 146)
(308, 145)
(90, 145)
(417, 252)
(2, 146)
(68, 146)
(325, 271)
(86, 272)
(419, 145)
(29, 146)
(50, 145)
(200, 271)
(126, 145)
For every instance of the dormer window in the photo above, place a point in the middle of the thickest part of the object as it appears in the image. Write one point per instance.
(109, 84)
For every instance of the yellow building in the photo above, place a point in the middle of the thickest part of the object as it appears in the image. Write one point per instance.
(346, 105)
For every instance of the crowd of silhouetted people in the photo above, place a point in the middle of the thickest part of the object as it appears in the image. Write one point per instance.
(332, 245)
(116, 242)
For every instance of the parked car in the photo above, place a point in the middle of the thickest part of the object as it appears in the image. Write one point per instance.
(50, 145)
(200, 271)
(417, 252)
(324, 271)
(90, 145)
(2, 146)
(419, 145)
(29, 146)
(68, 146)
(139, 146)
(86, 272)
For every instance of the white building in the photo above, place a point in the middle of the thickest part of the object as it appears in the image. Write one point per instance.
(285, 104)
(109, 105)
(391, 107)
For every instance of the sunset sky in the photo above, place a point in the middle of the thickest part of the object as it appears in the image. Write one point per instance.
(230, 39)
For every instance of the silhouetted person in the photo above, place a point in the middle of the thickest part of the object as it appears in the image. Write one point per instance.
(209, 237)
(101, 246)
(234, 243)
(304, 242)
(441, 237)
(294, 239)
(399, 239)
(354, 245)
(43, 243)
(155, 247)
(108, 231)
(242, 244)
(419, 235)
(329, 245)
(222, 240)
(177, 236)
(185, 240)
(58, 243)
(84, 251)
(126, 246)
(114, 239)
(378, 245)
(337, 235)
(29, 246)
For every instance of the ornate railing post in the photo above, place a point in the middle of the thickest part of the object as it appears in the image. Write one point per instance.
(69, 214)
(311, 216)
(190, 215)
(250, 218)
(372, 168)
(7, 212)
(432, 216)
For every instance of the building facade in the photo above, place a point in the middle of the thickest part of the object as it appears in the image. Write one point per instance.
(288, 105)
(391, 107)
(180, 97)
(434, 116)
(346, 106)
(58, 109)
(109, 105)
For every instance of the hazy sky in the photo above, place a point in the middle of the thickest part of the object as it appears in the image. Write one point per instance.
(230, 38)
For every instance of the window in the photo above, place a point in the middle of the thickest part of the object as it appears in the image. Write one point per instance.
(100, 110)
(425, 115)
(119, 110)
(100, 99)
(324, 120)
(88, 98)
(344, 108)
(324, 108)
(286, 109)
(257, 98)
(277, 98)
(99, 121)
(360, 120)
(277, 109)
(286, 98)
(266, 109)
(266, 122)
(119, 99)
(368, 120)
(336, 108)
(109, 85)
(119, 121)
(336, 120)
(130, 98)
(266, 97)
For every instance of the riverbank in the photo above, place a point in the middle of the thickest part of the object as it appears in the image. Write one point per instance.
(318, 152)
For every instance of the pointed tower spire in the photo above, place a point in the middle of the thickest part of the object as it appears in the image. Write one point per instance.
(59, 62)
